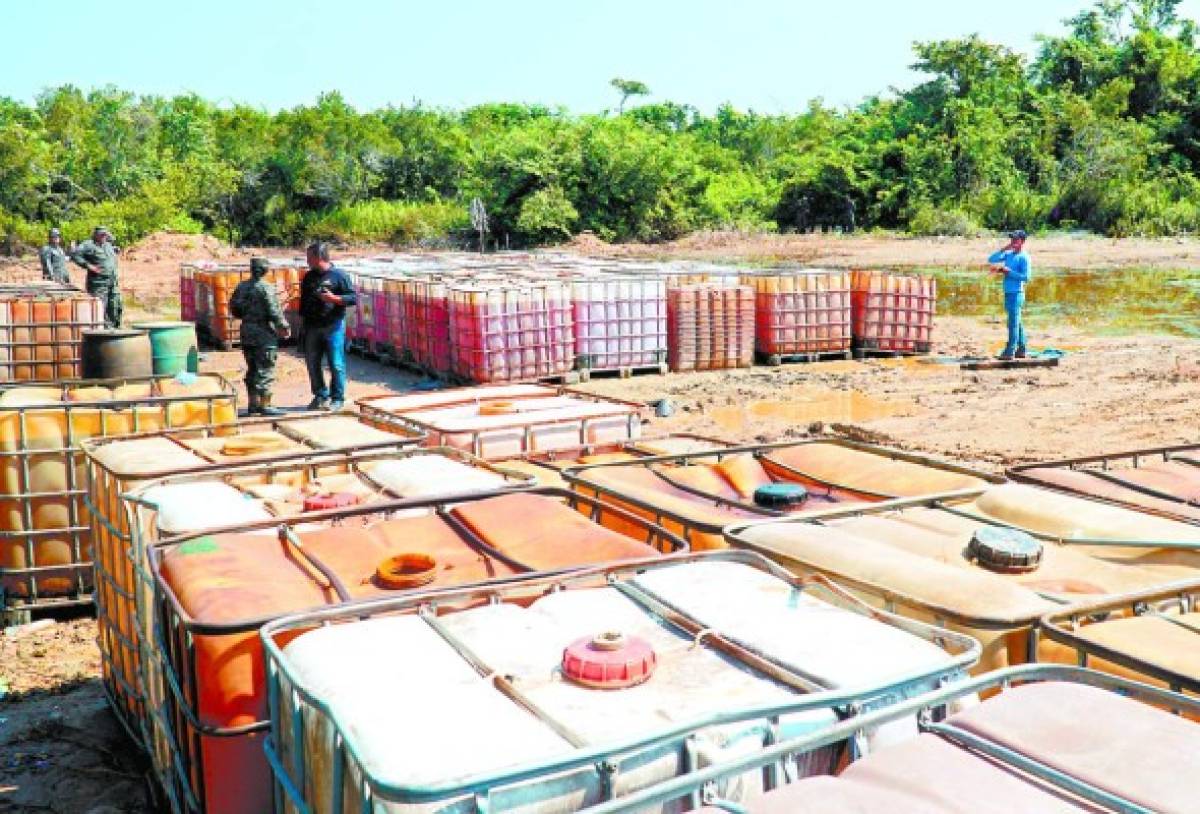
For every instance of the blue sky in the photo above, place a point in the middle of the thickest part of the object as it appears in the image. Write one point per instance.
(769, 55)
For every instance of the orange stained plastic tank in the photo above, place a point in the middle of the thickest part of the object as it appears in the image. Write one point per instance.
(683, 511)
(834, 475)
(239, 577)
(44, 438)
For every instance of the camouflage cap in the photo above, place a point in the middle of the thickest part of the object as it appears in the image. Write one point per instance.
(55, 232)
(259, 265)
(101, 230)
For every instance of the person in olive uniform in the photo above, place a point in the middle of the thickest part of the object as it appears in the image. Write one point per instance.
(98, 257)
(256, 303)
(54, 259)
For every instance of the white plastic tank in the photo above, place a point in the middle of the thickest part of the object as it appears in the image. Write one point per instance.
(429, 475)
(334, 431)
(185, 507)
(506, 421)
(421, 709)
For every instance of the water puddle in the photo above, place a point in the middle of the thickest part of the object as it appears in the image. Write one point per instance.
(805, 405)
(1117, 301)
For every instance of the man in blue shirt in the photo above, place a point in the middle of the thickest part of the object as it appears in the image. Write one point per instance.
(325, 294)
(1012, 263)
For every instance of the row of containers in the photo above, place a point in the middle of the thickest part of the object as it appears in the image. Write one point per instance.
(524, 317)
(511, 598)
(53, 332)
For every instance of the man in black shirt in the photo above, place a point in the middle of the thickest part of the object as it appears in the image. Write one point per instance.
(325, 294)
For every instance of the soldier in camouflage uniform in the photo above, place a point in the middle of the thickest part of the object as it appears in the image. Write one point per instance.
(256, 304)
(98, 257)
(54, 259)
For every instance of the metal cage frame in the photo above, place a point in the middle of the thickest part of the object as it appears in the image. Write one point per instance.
(963, 651)
(133, 411)
(175, 630)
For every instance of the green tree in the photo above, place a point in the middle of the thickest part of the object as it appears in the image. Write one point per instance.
(628, 88)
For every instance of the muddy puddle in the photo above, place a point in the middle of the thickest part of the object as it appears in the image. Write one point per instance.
(1118, 301)
(804, 405)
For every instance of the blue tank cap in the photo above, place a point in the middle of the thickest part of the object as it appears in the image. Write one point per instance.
(1003, 549)
(780, 495)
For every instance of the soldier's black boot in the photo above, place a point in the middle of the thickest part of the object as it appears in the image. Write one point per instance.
(265, 408)
(254, 401)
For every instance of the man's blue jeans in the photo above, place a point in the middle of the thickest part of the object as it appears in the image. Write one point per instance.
(1013, 303)
(319, 343)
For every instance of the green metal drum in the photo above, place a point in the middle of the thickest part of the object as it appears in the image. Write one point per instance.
(173, 347)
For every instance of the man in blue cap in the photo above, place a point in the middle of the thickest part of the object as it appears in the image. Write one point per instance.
(1012, 263)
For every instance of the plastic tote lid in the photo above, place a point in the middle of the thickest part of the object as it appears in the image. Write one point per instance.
(1005, 550)
(779, 495)
(609, 661)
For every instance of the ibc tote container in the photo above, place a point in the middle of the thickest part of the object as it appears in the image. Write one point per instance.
(697, 494)
(800, 313)
(514, 710)
(1163, 480)
(215, 589)
(41, 332)
(1151, 636)
(504, 330)
(45, 542)
(214, 287)
(497, 422)
(427, 323)
(939, 558)
(710, 326)
(892, 312)
(1048, 740)
(187, 292)
(620, 322)
(116, 465)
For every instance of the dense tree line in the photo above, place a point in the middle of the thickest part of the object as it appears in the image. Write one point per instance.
(1101, 131)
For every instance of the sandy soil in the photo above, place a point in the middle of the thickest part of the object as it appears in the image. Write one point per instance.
(61, 751)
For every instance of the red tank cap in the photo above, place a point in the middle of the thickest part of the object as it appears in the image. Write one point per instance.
(335, 500)
(609, 661)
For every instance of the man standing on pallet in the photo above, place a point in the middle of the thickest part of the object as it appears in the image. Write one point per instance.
(98, 257)
(54, 259)
(256, 303)
(1012, 263)
(325, 294)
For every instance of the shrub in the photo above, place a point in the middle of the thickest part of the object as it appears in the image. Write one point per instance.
(378, 221)
(932, 221)
(547, 217)
(741, 200)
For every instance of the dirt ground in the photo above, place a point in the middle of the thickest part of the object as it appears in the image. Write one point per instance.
(1060, 251)
(61, 751)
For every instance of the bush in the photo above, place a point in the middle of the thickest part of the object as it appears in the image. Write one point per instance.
(547, 217)
(932, 221)
(740, 200)
(18, 235)
(394, 222)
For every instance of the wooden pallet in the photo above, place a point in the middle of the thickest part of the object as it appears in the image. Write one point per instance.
(1008, 364)
(20, 612)
(587, 373)
(570, 377)
(777, 359)
(875, 353)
